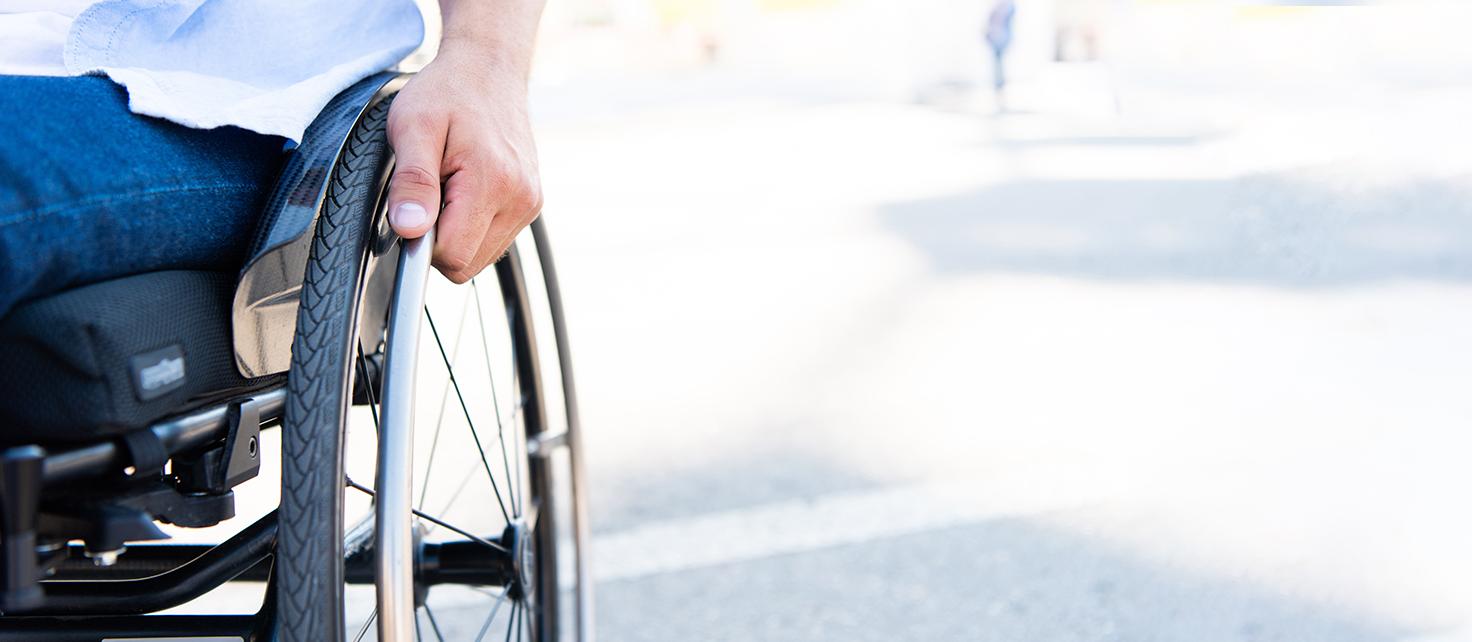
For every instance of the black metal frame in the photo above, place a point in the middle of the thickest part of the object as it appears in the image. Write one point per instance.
(189, 432)
(217, 566)
(213, 450)
(80, 600)
(251, 628)
(221, 563)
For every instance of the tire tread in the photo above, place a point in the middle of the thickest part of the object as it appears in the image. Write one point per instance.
(309, 560)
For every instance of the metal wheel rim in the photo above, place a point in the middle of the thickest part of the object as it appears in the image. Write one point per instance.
(544, 613)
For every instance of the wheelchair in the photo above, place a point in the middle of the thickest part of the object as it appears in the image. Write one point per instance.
(428, 433)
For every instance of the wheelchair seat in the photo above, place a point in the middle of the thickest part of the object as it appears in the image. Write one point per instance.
(116, 356)
(119, 355)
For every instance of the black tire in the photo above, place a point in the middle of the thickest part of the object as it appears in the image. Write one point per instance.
(320, 391)
(310, 545)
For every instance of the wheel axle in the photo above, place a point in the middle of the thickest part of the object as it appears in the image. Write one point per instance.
(464, 562)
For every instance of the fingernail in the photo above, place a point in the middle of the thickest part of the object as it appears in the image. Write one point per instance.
(408, 215)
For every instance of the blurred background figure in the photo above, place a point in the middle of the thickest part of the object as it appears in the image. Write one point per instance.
(998, 38)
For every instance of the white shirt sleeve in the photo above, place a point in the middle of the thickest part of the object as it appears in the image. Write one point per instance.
(264, 65)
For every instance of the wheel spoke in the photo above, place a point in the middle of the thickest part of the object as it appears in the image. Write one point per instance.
(512, 483)
(434, 625)
(465, 481)
(466, 409)
(364, 631)
(526, 623)
(490, 618)
(511, 621)
(435, 520)
(444, 403)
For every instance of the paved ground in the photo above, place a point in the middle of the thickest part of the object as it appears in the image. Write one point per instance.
(860, 371)
(1195, 370)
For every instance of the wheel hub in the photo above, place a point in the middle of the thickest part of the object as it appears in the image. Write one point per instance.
(516, 538)
(463, 562)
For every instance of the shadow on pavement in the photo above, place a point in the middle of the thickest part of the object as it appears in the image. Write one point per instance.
(1296, 230)
(1004, 580)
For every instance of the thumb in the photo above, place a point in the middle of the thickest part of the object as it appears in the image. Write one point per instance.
(414, 188)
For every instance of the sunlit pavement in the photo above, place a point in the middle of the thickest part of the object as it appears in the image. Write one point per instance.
(856, 370)
(874, 371)
(862, 370)
(1146, 358)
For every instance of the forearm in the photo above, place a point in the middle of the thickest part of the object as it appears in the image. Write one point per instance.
(500, 32)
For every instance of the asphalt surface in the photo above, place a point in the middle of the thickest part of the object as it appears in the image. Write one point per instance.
(852, 369)
(873, 371)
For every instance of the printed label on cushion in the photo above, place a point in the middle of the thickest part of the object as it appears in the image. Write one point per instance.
(157, 373)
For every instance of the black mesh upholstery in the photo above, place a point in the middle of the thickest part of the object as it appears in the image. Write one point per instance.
(116, 356)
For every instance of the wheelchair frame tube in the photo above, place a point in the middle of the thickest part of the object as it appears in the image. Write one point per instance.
(216, 566)
(251, 628)
(394, 485)
(177, 435)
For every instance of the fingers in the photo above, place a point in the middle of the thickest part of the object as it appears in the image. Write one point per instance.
(469, 208)
(487, 202)
(418, 141)
(504, 228)
(461, 176)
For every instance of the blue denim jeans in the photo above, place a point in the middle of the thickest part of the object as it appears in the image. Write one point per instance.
(90, 191)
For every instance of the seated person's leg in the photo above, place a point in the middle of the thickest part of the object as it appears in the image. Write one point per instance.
(90, 191)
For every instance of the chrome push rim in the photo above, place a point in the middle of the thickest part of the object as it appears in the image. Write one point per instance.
(489, 387)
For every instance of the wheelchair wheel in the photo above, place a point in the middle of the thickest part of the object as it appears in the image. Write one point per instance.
(431, 484)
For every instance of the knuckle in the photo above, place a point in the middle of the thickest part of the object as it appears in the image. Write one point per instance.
(457, 262)
(415, 177)
(454, 263)
(500, 173)
(535, 200)
(523, 193)
(403, 118)
(525, 204)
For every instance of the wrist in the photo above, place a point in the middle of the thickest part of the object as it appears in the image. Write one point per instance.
(500, 63)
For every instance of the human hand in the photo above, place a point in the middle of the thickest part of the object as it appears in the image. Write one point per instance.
(461, 138)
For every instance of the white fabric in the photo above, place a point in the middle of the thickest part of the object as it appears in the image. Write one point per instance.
(264, 65)
(33, 35)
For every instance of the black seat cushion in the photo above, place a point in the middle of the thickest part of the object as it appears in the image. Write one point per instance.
(116, 356)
